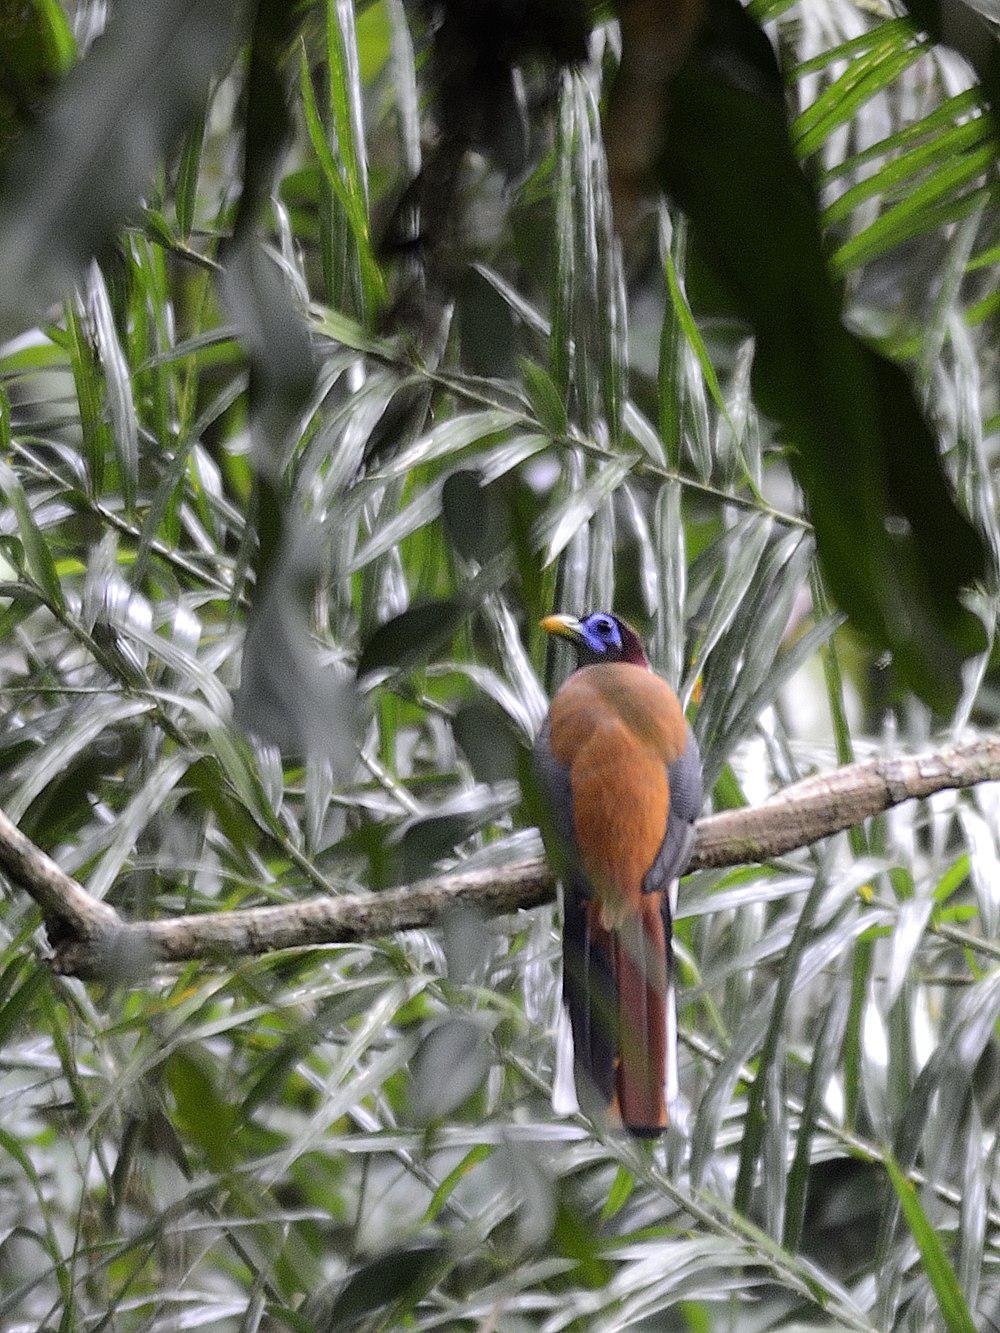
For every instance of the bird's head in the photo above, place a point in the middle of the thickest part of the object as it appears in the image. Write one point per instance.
(599, 637)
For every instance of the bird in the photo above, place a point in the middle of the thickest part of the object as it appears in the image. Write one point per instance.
(620, 781)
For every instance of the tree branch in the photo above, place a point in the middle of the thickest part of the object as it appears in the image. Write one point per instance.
(90, 939)
(67, 907)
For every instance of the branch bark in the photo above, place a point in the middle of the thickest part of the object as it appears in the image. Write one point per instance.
(89, 938)
(66, 905)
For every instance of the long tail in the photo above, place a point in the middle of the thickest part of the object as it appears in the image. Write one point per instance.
(617, 987)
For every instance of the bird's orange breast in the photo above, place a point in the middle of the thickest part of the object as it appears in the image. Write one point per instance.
(617, 727)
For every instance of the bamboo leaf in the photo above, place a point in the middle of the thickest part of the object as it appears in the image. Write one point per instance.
(940, 1273)
(37, 556)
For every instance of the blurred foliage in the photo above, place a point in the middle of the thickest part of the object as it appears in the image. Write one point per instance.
(36, 49)
(323, 378)
(867, 461)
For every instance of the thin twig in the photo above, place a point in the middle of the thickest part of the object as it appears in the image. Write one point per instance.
(474, 394)
(642, 463)
(89, 934)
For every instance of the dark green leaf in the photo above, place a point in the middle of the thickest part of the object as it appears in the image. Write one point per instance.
(397, 1275)
(486, 738)
(473, 519)
(204, 1115)
(480, 1153)
(411, 637)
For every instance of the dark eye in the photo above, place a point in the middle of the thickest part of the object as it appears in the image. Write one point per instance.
(604, 628)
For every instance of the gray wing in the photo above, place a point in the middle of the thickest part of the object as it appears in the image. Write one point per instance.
(553, 777)
(684, 776)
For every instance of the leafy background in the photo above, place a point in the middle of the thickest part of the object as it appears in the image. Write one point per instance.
(264, 441)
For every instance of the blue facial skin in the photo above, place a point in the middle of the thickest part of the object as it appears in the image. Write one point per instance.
(601, 634)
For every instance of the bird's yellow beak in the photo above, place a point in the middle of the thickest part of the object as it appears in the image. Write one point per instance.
(566, 627)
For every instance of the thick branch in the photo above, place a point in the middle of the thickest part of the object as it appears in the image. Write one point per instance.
(90, 936)
(830, 802)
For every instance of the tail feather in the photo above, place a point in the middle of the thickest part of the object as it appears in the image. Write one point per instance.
(590, 995)
(617, 991)
(641, 972)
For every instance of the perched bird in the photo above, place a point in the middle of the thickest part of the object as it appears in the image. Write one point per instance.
(620, 776)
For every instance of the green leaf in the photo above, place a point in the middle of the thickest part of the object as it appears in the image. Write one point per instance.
(821, 1067)
(411, 637)
(17, 1006)
(204, 1116)
(474, 521)
(619, 1194)
(955, 139)
(36, 50)
(449, 1066)
(187, 177)
(756, 1121)
(237, 762)
(120, 404)
(450, 437)
(943, 116)
(669, 380)
(928, 205)
(348, 192)
(691, 332)
(37, 556)
(554, 533)
(864, 78)
(397, 1275)
(545, 399)
(937, 1266)
(480, 1153)
(87, 380)
(573, 1238)
(14, 1150)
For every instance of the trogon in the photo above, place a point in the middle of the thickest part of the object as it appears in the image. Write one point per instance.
(620, 777)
